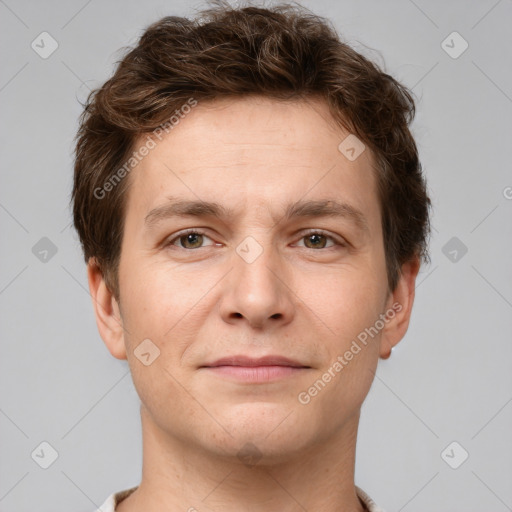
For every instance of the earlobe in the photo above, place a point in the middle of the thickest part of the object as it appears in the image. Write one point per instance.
(106, 310)
(399, 308)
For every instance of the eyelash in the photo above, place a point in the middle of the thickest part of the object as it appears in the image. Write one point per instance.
(196, 231)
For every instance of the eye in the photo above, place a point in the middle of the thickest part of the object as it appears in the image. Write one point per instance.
(191, 239)
(319, 240)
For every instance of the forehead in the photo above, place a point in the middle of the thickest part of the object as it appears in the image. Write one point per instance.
(255, 152)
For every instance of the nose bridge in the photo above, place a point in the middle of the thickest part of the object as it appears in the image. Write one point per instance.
(256, 291)
(254, 262)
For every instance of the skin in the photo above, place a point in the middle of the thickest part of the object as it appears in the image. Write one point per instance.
(304, 297)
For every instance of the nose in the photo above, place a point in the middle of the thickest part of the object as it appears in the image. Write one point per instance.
(258, 292)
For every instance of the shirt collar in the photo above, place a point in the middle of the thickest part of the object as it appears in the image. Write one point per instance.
(116, 498)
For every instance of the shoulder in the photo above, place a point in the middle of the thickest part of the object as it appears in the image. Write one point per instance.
(114, 499)
(367, 501)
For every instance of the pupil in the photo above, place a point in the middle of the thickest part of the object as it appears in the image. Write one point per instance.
(193, 239)
(316, 239)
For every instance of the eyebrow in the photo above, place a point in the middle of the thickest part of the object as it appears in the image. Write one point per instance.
(327, 208)
(302, 209)
(186, 208)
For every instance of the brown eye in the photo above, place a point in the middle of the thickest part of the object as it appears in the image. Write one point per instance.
(191, 240)
(315, 241)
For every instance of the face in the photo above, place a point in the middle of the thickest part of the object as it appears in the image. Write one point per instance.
(249, 234)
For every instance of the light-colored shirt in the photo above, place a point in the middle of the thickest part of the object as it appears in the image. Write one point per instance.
(114, 499)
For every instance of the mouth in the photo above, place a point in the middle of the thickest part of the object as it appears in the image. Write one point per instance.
(255, 370)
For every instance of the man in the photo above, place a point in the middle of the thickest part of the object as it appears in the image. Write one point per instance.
(253, 215)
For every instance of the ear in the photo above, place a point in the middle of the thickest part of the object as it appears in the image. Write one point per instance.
(106, 310)
(400, 302)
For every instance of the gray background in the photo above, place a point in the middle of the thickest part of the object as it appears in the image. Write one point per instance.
(449, 380)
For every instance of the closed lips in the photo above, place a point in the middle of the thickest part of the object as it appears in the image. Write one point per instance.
(249, 361)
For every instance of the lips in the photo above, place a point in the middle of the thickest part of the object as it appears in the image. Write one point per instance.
(245, 361)
(245, 370)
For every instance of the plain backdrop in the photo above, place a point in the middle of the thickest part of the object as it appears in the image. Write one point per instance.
(446, 392)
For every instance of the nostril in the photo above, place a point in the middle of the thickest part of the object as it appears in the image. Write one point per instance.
(276, 315)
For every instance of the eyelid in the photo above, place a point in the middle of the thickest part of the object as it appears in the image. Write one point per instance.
(311, 231)
(338, 240)
(176, 236)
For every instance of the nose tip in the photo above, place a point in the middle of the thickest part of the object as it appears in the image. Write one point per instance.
(255, 292)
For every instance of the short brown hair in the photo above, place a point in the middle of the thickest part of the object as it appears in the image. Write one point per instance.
(283, 52)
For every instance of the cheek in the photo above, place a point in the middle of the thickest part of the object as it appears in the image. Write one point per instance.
(345, 300)
(346, 307)
(158, 328)
(167, 306)
(152, 295)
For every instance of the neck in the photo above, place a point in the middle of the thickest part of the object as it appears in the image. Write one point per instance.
(179, 476)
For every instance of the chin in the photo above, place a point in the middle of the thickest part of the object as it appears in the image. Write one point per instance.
(273, 429)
